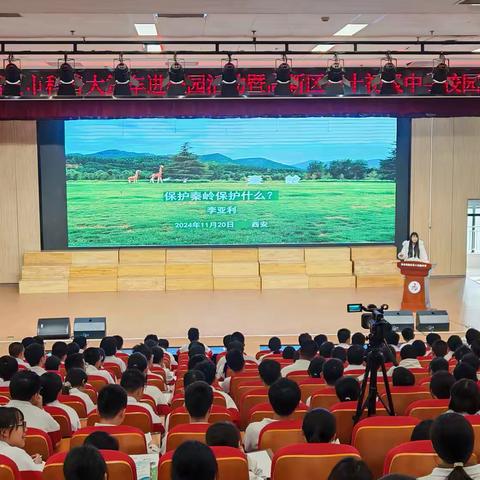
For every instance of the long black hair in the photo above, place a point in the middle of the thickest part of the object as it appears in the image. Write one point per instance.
(414, 248)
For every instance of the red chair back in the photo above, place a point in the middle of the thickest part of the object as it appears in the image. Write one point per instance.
(113, 369)
(403, 396)
(324, 398)
(135, 416)
(97, 382)
(180, 416)
(375, 436)
(280, 434)
(309, 386)
(298, 376)
(265, 410)
(8, 469)
(76, 403)
(427, 409)
(38, 442)
(62, 418)
(309, 460)
(187, 431)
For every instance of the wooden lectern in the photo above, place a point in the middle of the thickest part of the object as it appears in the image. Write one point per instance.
(414, 284)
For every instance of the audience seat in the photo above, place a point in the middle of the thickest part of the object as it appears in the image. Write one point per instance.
(298, 375)
(343, 413)
(8, 469)
(131, 440)
(186, 431)
(62, 418)
(232, 464)
(246, 387)
(113, 369)
(5, 392)
(280, 434)
(180, 416)
(122, 356)
(427, 409)
(97, 382)
(309, 460)
(4, 400)
(248, 401)
(119, 466)
(156, 382)
(324, 398)
(91, 392)
(309, 386)
(403, 396)
(420, 374)
(76, 403)
(265, 410)
(179, 400)
(415, 459)
(475, 422)
(241, 379)
(375, 436)
(38, 442)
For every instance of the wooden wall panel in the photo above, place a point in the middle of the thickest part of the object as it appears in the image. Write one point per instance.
(19, 201)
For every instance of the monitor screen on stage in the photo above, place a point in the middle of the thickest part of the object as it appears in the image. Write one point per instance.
(230, 181)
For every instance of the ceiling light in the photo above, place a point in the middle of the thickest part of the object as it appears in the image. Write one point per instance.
(350, 29)
(146, 29)
(12, 82)
(283, 78)
(176, 81)
(67, 81)
(228, 80)
(155, 48)
(477, 50)
(335, 75)
(322, 47)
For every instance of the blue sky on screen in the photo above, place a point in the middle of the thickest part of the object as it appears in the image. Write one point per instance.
(285, 140)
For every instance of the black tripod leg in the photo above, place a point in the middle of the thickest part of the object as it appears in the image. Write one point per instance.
(360, 403)
(390, 409)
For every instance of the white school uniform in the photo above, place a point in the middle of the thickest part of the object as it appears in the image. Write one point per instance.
(38, 370)
(21, 458)
(22, 363)
(116, 361)
(146, 406)
(252, 434)
(442, 473)
(221, 364)
(92, 370)
(406, 363)
(35, 417)
(88, 401)
(299, 365)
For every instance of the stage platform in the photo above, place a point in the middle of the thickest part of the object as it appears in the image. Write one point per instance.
(258, 314)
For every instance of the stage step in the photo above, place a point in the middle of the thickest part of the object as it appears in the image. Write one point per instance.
(379, 280)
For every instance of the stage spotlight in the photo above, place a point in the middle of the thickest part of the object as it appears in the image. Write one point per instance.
(282, 77)
(228, 81)
(12, 80)
(387, 76)
(334, 77)
(67, 81)
(176, 81)
(439, 75)
(122, 79)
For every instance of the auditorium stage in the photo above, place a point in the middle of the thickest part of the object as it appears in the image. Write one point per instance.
(259, 314)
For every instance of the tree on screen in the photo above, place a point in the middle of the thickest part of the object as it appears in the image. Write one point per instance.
(388, 168)
(185, 165)
(315, 169)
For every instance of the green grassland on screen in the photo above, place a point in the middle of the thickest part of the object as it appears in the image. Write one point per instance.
(115, 213)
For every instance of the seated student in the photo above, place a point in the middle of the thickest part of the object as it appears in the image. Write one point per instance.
(193, 361)
(193, 335)
(158, 356)
(102, 441)
(151, 338)
(460, 352)
(422, 431)
(472, 360)
(27, 341)
(420, 348)
(109, 346)
(76, 360)
(52, 364)
(35, 356)
(75, 381)
(355, 358)
(84, 462)
(196, 348)
(431, 338)
(340, 353)
(307, 352)
(332, 370)
(138, 360)
(284, 396)
(193, 461)
(453, 342)
(304, 337)
(274, 348)
(464, 398)
(93, 364)
(133, 381)
(233, 345)
(402, 377)
(8, 368)
(440, 384)
(347, 389)
(269, 372)
(81, 341)
(288, 353)
(352, 469)
(408, 336)
(393, 338)
(198, 401)
(319, 426)
(320, 339)
(51, 387)
(208, 369)
(235, 362)
(440, 349)
(343, 336)
(72, 348)
(464, 370)
(326, 349)
(17, 351)
(453, 440)
(472, 335)
(165, 344)
(438, 364)
(316, 367)
(358, 339)
(12, 440)
(59, 350)
(147, 353)
(119, 342)
(25, 395)
(408, 359)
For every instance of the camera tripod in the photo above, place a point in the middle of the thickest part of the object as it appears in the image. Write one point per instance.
(374, 361)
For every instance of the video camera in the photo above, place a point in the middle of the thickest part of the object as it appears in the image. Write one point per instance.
(373, 320)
